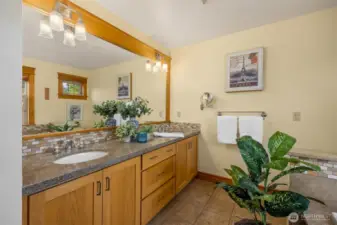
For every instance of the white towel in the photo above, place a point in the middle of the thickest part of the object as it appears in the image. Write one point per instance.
(227, 129)
(251, 126)
(169, 135)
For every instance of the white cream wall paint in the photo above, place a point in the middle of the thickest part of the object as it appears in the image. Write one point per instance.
(94, 7)
(146, 85)
(300, 76)
(54, 110)
(10, 113)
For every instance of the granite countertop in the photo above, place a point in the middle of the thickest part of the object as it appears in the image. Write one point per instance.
(40, 173)
(314, 154)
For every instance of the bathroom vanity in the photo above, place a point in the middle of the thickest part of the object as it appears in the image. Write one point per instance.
(129, 186)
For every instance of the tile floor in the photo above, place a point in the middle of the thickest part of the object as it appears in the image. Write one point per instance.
(201, 203)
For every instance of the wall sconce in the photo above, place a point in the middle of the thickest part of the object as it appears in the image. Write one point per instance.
(207, 100)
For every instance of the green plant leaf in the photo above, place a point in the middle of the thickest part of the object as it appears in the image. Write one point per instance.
(246, 183)
(272, 187)
(299, 169)
(279, 164)
(280, 144)
(286, 202)
(254, 155)
(297, 161)
(316, 200)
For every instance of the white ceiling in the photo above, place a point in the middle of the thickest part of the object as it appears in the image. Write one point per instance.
(175, 23)
(91, 54)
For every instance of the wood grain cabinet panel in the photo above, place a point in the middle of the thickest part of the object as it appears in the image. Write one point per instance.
(152, 158)
(157, 175)
(78, 202)
(122, 184)
(157, 200)
(192, 158)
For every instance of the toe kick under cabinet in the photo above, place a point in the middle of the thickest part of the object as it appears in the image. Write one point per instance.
(129, 193)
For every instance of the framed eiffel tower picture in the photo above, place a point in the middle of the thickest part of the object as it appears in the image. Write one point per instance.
(245, 71)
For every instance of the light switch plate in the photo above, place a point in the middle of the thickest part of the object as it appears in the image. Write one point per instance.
(178, 114)
(296, 116)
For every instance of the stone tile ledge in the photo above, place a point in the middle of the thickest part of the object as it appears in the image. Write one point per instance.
(314, 155)
(40, 173)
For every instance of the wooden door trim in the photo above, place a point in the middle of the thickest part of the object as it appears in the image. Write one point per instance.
(106, 31)
(28, 74)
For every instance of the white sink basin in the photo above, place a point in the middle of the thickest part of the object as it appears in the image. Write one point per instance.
(80, 157)
(334, 218)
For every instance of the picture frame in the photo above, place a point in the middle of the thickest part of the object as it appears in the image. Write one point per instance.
(245, 71)
(124, 86)
(74, 112)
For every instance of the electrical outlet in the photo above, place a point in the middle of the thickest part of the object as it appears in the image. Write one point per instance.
(161, 114)
(178, 114)
(296, 116)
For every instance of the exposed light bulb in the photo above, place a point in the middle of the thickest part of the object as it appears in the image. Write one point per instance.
(80, 31)
(45, 29)
(165, 68)
(56, 21)
(148, 66)
(69, 38)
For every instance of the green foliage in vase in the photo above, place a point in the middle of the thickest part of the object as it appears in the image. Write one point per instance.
(244, 189)
(62, 128)
(134, 108)
(126, 130)
(106, 109)
(99, 124)
(146, 129)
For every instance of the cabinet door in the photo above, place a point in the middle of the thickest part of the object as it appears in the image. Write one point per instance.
(78, 202)
(121, 193)
(181, 161)
(192, 158)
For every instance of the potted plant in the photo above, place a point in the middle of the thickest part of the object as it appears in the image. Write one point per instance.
(245, 190)
(147, 129)
(133, 109)
(62, 128)
(107, 110)
(126, 131)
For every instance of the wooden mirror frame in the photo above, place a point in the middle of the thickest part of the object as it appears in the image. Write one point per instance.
(106, 31)
(28, 74)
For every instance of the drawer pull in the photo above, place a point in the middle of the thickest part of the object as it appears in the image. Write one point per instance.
(160, 198)
(161, 174)
(99, 187)
(169, 150)
(153, 157)
(107, 187)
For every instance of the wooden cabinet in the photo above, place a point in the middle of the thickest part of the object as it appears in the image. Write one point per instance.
(157, 175)
(192, 158)
(186, 162)
(157, 200)
(121, 193)
(77, 202)
(152, 158)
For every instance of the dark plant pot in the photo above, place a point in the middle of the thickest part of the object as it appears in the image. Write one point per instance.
(248, 222)
(134, 122)
(111, 122)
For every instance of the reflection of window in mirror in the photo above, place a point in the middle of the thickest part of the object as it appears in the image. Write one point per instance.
(28, 99)
(72, 87)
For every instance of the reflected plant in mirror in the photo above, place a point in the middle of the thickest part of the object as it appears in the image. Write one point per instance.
(68, 126)
(134, 109)
(107, 110)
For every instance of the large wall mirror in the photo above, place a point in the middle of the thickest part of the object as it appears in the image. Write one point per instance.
(62, 82)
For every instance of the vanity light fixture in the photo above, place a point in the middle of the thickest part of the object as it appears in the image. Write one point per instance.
(157, 66)
(69, 37)
(56, 23)
(45, 29)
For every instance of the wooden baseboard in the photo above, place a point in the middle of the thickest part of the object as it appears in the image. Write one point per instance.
(215, 179)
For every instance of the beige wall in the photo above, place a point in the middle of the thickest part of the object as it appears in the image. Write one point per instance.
(54, 110)
(300, 76)
(145, 84)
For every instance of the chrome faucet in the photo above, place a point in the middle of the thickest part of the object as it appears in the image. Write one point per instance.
(69, 144)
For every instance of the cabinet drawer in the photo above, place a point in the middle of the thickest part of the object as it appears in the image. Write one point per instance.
(157, 175)
(157, 156)
(157, 200)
